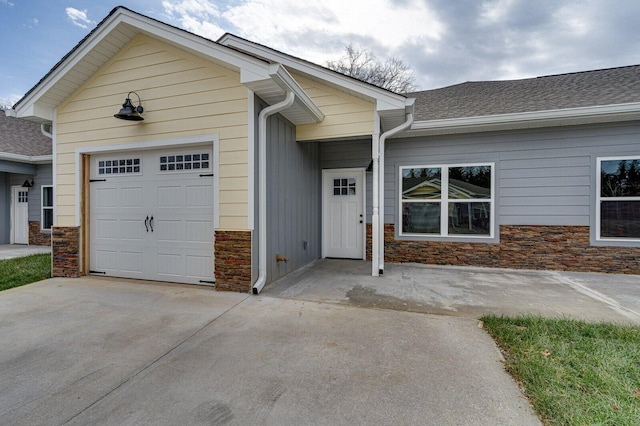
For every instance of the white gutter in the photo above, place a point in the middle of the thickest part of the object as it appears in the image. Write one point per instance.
(262, 186)
(379, 240)
(31, 159)
(546, 118)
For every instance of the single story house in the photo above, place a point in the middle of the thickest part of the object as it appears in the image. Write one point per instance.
(26, 191)
(237, 164)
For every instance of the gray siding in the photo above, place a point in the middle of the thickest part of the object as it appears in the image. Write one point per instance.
(544, 177)
(293, 199)
(43, 177)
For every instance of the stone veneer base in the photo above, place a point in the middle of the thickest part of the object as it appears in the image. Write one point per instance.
(65, 249)
(37, 237)
(559, 248)
(233, 261)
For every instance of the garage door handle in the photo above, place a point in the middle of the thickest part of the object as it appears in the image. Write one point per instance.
(151, 223)
(145, 223)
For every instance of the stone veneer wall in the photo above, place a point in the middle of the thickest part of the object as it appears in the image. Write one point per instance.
(233, 260)
(65, 247)
(37, 237)
(560, 248)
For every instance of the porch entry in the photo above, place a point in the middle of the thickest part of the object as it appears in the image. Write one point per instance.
(20, 215)
(343, 221)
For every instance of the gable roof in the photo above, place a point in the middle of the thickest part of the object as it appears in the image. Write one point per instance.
(270, 82)
(611, 94)
(23, 141)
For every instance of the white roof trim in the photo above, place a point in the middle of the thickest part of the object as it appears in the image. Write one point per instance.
(385, 100)
(547, 118)
(244, 63)
(283, 79)
(31, 159)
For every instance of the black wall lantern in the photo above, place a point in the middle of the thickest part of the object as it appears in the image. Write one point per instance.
(28, 184)
(128, 111)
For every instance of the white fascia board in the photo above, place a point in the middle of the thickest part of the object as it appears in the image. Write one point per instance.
(30, 159)
(283, 79)
(384, 98)
(195, 43)
(556, 117)
(151, 27)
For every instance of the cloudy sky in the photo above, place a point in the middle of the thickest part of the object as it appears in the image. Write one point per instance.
(444, 41)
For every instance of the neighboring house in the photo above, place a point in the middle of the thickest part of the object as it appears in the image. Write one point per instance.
(26, 191)
(250, 163)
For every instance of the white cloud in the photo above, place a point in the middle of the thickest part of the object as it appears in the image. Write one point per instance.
(6, 3)
(79, 17)
(195, 16)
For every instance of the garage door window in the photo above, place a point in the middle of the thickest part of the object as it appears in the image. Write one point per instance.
(179, 162)
(120, 166)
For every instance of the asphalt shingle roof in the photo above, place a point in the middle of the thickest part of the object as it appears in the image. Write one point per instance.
(22, 137)
(480, 98)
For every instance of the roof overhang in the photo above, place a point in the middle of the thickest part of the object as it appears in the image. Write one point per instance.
(28, 159)
(120, 27)
(390, 106)
(527, 120)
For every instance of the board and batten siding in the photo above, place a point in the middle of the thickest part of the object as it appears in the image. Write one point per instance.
(544, 177)
(345, 115)
(293, 199)
(182, 96)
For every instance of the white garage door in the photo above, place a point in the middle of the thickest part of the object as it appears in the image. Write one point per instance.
(152, 215)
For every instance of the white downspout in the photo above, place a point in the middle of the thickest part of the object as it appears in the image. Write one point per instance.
(262, 186)
(44, 132)
(383, 138)
(375, 216)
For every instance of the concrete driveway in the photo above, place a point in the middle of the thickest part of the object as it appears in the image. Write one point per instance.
(11, 251)
(464, 291)
(118, 352)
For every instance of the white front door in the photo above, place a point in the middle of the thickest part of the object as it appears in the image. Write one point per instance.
(20, 215)
(152, 215)
(343, 221)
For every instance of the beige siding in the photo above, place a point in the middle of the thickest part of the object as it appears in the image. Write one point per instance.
(182, 96)
(345, 115)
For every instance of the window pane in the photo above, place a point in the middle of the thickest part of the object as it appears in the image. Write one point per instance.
(470, 182)
(620, 219)
(47, 218)
(620, 178)
(469, 218)
(421, 183)
(47, 196)
(421, 218)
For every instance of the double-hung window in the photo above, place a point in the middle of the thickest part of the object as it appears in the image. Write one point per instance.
(46, 208)
(447, 200)
(618, 199)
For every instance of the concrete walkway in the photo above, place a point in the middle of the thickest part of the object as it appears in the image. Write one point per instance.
(110, 352)
(465, 292)
(11, 251)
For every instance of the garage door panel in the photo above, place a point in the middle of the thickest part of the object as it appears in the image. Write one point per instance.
(105, 198)
(131, 230)
(180, 247)
(131, 197)
(169, 231)
(199, 231)
(170, 196)
(199, 196)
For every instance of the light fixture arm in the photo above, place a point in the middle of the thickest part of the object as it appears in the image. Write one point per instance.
(139, 107)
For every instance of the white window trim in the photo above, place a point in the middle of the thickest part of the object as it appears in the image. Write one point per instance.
(444, 199)
(43, 208)
(599, 198)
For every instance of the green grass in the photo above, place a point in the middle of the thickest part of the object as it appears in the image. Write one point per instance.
(24, 270)
(574, 373)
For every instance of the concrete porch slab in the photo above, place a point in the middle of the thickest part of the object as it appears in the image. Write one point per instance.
(465, 291)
